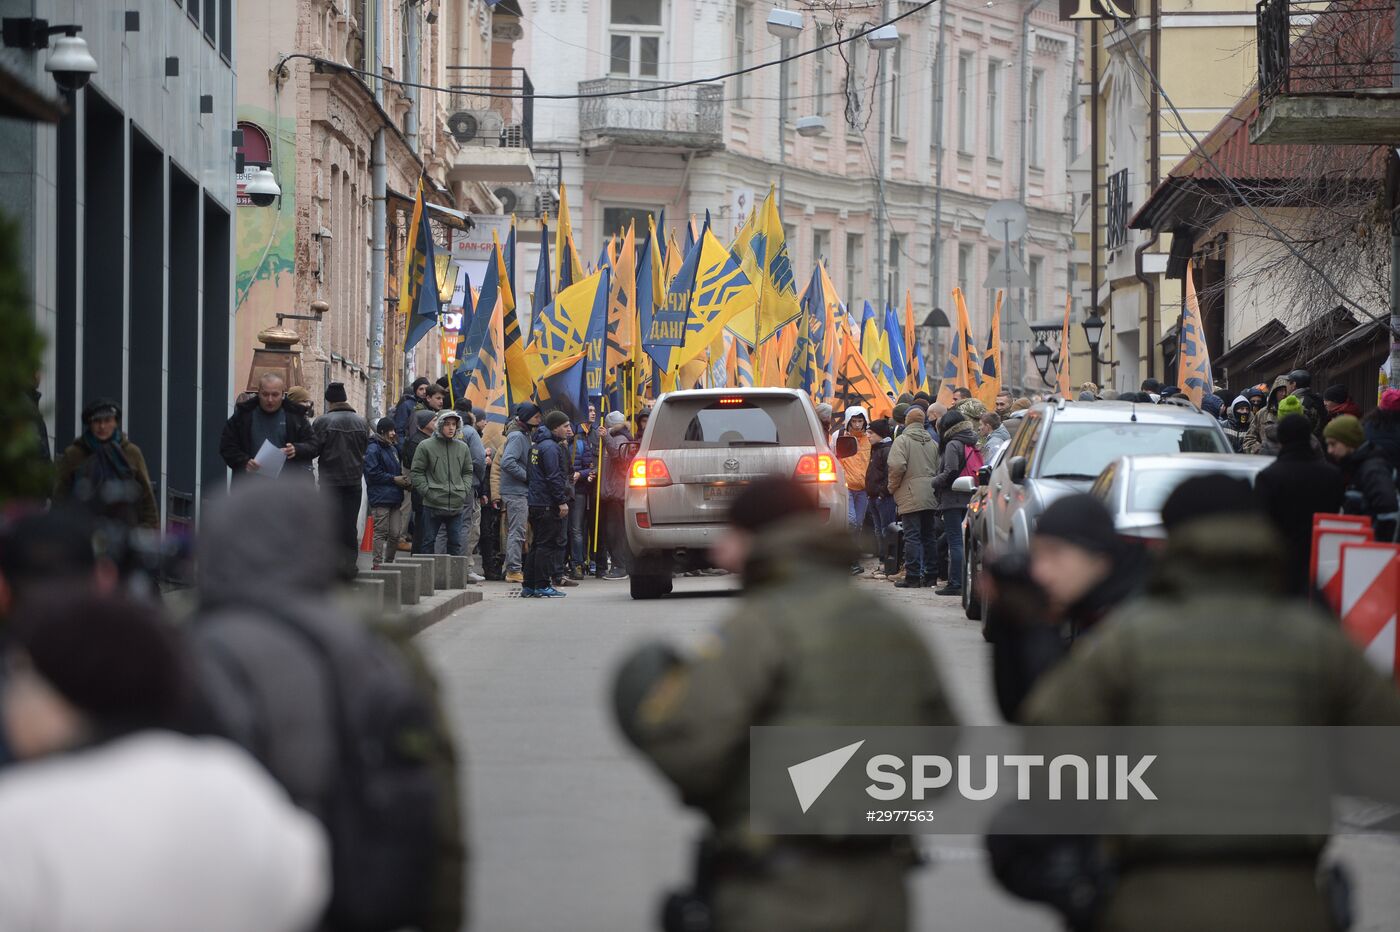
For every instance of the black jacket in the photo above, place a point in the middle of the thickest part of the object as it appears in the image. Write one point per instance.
(549, 483)
(877, 474)
(342, 437)
(1296, 486)
(236, 441)
(1368, 472)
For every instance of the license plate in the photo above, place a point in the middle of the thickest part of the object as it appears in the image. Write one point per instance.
(722, 493)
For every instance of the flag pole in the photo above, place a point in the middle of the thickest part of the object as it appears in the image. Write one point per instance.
(598, 480)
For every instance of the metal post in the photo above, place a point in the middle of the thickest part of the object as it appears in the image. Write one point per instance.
(379, 179)
(413, 54)
(880, 246)
(782, 115)
(938, 165)
(1025, 175)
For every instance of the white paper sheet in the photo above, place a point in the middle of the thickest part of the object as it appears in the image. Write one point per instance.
(270, 460)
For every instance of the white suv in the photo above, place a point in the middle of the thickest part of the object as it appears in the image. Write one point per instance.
(700, 450)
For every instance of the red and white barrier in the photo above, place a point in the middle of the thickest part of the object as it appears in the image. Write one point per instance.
(1369, 587)
(1330, 532)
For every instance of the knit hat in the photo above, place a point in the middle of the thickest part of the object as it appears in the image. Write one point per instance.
(1345, 429)
(298, 395)
(102, 407)
(525, 410)
(769, 501)
(384, 425)
(423, 418)
(555, 419)
(335, 392)
(1390, 399)
(906, 399)
(615, 419)
(413, 387)
(1081, 520)
(1212, 404)
(1293, 430)
(824, 412)
(901, 410)
(915, 415)
(1204, 496)
(1336, 394)
(1290, 405)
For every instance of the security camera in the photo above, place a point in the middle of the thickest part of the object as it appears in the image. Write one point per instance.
(262, 188)
(70, 63)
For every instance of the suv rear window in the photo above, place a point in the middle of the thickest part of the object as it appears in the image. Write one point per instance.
(1081, 451)
(696, 423)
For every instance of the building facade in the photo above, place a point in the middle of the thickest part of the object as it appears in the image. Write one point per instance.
(323, 130)
(125, 207)
(954, 112)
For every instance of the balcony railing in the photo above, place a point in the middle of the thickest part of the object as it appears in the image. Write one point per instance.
(691, 117)
(492, 107)
(1327, 48)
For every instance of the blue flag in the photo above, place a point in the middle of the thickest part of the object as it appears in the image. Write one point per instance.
(420, 276)
(666, 329)
(566, 385)
(899, 365)
(596, 335)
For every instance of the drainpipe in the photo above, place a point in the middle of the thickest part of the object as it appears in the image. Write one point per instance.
(413, 55)
(938, 164)
(1025, 174)
(379, 179)
(880, 245)
(1154, 171)
(1094, 176)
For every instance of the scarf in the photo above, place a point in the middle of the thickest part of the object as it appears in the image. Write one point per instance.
(106, 461)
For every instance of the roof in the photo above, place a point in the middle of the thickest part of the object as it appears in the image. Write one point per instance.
(1321, 331)
(1114, 412)
(1251, 347)
(1204, 462)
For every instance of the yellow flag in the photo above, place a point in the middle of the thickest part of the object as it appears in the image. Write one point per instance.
(722, 290)
(746, 327)
(568, 268)
(1194, 373)
(991, 361)
(563, 327)
(622, 302)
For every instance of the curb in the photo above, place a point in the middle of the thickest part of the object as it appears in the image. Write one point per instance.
(416, 619)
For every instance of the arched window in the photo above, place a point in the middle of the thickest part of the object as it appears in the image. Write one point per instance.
(257, 147)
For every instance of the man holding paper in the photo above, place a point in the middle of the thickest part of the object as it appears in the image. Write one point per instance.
(268, 418)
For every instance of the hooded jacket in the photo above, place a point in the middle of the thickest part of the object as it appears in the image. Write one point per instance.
(1382, 429)
(1235, 430)
(913, 464)
(955, 436)
(615, 464)
(442, 469)
(381, 469)
(877, 474)
(549, 482)
(514, 464)
(236, 441)
(1367, 472)
(415, 437)
(472, 438)
(856, 464)
(342, 437)
(403, 414)
(1297, 485)
(1261, 428)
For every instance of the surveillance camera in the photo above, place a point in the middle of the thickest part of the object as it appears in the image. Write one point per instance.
(262, 188)
(70, 63)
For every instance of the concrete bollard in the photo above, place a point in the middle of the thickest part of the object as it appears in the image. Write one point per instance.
(392, 584)
(370, 590)
(408, 574)
(427, 569)
(457, 570)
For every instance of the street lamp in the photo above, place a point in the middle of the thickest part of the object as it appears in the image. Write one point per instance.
(1042, 355)
(884, 38)
(785, 24)
(1093, 332)
(813, 125)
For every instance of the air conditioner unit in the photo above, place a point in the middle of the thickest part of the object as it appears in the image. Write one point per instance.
(476, 127)
(509, 199)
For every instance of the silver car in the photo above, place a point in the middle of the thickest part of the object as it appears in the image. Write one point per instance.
(1135, 487)
(700, 450)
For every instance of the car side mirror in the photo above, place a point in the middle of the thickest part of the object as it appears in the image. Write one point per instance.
(846, 447)
(630, 448)
(964, 484)
(1016, 469)
(984, 475)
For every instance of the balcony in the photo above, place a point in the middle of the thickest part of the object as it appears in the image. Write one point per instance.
(491, 114)
(1328, 72)
(636, 112)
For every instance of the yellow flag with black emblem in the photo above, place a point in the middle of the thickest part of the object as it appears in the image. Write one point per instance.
(722, 291)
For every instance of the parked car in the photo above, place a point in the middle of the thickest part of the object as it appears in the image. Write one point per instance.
(975, 529)
(1059, 449)
(1135, 487)
(700, 449)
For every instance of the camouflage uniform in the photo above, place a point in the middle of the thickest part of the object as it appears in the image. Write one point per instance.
(1215, 642)
(804, 648)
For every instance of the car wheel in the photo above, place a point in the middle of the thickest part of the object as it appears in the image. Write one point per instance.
(972, 604)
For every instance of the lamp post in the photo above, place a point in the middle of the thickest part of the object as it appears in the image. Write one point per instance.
(784, 25)
(880, 41)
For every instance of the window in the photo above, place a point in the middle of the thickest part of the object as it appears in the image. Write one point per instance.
(820, 77)
(689, 423)
(1033, 309)
(821, 242)
(994, 77)
(895, 262)
(1082, 450)
(853, 268)
(634, 38)
(964, 266)
(965, 102)
(1034, 118)
(211, 19)
(616, 220)
(742, 14)
(896, 95)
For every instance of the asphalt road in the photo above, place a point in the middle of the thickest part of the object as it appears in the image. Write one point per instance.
(570, 829)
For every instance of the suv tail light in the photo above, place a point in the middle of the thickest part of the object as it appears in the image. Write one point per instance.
(648, 473)
(815, 467)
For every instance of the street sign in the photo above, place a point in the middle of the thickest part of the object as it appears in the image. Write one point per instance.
(1006, 272)
(1006, 221)
(1098, 9)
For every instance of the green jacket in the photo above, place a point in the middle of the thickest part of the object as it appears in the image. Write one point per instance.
(442, 472)
(804, 647)
(913, 464)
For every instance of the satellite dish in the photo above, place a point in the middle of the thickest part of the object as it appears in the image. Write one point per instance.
(1006, 221)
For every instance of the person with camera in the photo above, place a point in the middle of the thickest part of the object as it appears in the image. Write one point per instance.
(106, 471)
(801, 647)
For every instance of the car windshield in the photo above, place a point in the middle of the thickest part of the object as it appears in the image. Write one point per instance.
(690, 423)
(1081, 451)
(1150, 487)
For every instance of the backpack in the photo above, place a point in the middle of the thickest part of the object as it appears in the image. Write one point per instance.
(972, 461)
(382, 816)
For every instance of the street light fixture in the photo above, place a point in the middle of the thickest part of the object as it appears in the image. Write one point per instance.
(1093, 332)
(811, 125)
(882, 39)
(785, 24)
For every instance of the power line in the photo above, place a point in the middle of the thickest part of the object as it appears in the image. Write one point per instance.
(626, 92)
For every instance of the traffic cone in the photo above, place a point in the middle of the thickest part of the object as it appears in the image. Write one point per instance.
(367, 542)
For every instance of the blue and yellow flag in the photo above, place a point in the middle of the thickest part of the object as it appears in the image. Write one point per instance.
(564, 324)
(666, 331)
(874, 347)
(722, 291)
(899, 357)
(486, 300)
(565, 384)
(596, 334)
(622, 302)
(742, 374)
(486, 383)
(959, 371)
(1193, 373)
(991, 360)
(568, 267)
(544, 291)
(762, 248)
(505, 259)
(419, 306)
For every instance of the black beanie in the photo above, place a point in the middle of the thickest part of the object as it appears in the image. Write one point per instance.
(524, 411)
(384, 425)
(1081, 520)
(114, 659)
(1336, 394)
(881, 427)
(1294, 429)
(335, 392)
(770, 500)
(421, 380)
(555, 419)
(1204, 496)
